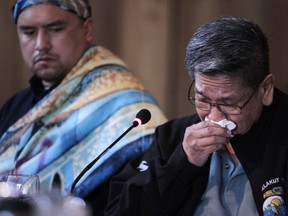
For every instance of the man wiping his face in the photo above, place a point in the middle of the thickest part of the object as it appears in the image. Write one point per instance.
(231, 156)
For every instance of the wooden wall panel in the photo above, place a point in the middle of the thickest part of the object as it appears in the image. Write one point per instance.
(143, 42)
(10, 58)
(151, 36)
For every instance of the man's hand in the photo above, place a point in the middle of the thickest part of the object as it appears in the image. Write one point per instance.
(202, 139)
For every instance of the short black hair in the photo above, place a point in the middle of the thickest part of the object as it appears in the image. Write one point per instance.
(229, 46)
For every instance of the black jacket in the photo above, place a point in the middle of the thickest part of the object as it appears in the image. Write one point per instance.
(169, 185)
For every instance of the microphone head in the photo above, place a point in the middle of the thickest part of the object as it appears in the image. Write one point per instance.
(142, 117)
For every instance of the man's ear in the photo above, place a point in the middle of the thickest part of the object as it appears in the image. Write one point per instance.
(267, 89)
(89, 29)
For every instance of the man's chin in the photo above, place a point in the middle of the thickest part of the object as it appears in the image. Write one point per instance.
(48, 76)
(47, 73)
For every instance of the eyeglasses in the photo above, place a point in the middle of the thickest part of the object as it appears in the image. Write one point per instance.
(229, 109)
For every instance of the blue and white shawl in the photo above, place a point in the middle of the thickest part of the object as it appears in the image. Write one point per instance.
(94, 104)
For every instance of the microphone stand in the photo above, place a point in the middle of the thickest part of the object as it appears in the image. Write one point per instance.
(135, 124)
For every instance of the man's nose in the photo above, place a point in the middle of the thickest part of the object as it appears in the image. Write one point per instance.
(43, 42)
(216, 114)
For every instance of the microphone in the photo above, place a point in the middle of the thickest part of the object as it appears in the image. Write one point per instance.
(142, 117)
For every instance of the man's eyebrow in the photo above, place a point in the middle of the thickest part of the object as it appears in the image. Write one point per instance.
(224, 99)
(55, 23)
(200, 93)
(51, 24)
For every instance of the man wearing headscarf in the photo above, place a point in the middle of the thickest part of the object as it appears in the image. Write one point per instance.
(81, 98)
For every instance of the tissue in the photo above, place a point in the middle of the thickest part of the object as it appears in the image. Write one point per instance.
(224, 123)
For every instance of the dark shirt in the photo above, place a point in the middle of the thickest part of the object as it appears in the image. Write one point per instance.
(18, 105)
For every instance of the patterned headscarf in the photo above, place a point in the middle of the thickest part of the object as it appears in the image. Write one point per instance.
(79, 7)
